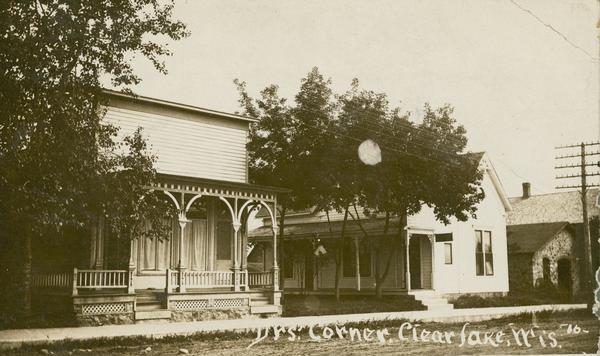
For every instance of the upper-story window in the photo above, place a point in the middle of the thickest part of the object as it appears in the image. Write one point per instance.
(484, 257)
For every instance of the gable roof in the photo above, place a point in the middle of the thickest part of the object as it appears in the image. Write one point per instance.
(527, 238)
(486, 164)
(552, 207)
(178, 106)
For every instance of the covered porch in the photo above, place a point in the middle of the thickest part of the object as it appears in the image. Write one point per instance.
(309, 257)
(197, 272)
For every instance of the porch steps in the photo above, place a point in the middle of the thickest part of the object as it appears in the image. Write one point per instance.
(260, 305)
(262, 300)
(430, 300)
(150, 306)
(153, 315)
(149, 299)
(264, 309)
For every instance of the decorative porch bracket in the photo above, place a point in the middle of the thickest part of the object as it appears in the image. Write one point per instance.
(180, 265)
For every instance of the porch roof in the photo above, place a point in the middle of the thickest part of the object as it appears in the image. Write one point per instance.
(373, 227)
(219, 188)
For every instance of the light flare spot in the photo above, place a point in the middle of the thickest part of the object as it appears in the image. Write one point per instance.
(369, 152)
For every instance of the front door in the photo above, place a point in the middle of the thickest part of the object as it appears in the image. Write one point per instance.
(415, 262)
(420, 257)
(565, 283)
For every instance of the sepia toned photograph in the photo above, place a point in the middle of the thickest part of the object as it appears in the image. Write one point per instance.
(268, 177)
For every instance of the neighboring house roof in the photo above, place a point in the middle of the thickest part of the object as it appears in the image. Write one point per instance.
(528, 238)
(160, 102)
(263, 213)
(552, 207)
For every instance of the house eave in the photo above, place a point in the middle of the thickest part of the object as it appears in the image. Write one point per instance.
(179, 106)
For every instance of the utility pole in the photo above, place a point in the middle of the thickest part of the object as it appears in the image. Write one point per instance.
(583, 174)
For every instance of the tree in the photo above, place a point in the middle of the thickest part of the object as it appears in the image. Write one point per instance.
(312, 148)
(421, 165)
(287, 140)
(60, 164)
(270, 161)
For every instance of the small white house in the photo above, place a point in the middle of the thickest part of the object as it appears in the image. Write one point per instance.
(429, 259)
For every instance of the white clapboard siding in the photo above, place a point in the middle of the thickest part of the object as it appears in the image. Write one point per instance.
(187, 147)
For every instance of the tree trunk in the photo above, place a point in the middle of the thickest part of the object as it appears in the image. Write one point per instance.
(357, 262)
(27, 276)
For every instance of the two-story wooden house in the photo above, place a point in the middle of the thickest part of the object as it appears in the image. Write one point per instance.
(200, 272)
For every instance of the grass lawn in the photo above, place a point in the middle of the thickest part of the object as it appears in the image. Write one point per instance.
(573, 340)
(299, 305)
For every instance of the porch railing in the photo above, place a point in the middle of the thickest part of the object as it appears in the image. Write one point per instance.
(203, 279)
(83, 279)
(102, 279)
(51, 280)
(213, 279)
(260, 279)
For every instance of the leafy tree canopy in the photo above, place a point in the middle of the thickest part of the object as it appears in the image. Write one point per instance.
(60, 165)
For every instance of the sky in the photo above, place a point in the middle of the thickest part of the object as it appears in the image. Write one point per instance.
(522, 75)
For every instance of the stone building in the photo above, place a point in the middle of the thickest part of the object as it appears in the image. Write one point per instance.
(543, 253)
(537, 220)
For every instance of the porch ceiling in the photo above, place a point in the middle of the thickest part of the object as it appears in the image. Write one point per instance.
(211, 187)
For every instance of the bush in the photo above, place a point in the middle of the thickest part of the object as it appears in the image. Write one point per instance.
(543, 294)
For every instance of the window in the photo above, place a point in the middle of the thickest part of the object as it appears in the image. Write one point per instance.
(546, 269)
(224, 237)
(484, 258)
(349, 262)
(443, 237)
(448, 253)
(154, 252)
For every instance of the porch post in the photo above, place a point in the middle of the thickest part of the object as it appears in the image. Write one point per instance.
(236, 258)
(275, 266)
(407, 261)
(132, 250)
(74, 282)
(180, 265)
(244, 253)
(93, 244)
(432, 240)
(99, 260)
